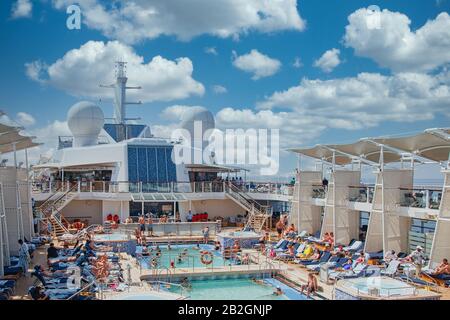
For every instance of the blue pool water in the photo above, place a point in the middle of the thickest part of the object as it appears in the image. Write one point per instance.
(386, 286)
(112, 237)
(238, 289)
(190, 260)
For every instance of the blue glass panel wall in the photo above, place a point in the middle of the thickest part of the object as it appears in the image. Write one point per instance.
(151, 164)
(132, 164)
(142, 164)
(171, 168)
(162, 164)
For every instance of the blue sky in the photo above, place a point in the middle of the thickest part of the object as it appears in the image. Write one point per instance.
(39, 33)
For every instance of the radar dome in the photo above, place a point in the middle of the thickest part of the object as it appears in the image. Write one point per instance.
(85, 120)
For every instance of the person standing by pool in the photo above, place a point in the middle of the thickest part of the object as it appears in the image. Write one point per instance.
(24, 257)
(150, 225)
(417, 257)
(205, 232)
(49, 227)
(279, 226)
(142, 224)
(262, 242)
(189, 216)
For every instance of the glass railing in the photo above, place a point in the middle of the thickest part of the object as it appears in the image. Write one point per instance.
(361, 194)
(162, 187)
(420, 198)
(318, 192)
(269, 188)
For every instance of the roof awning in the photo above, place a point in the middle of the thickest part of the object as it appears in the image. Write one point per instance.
(368, 150)
(212, 168)
(158, 197)
(426, 145)
(68, 166)
(323, 153)
(22, 144)
(433, 144)
(11, 139)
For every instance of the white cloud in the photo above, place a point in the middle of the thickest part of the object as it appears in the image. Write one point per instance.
(134, 21)
(366, 100)
(36, 70)
(211, 50)
(21, 9)
(219, 89)
(297, 63)
(258, 64)
(176, 112)
(394, 45)
(81, 71)
(329, 60)
(25, 119)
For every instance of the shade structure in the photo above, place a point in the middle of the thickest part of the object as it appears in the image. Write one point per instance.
(433, 144)
(324, 153)
(368, 150)
(11, 139)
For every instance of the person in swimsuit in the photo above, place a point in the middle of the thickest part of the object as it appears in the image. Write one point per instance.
(279, 226)
(311, 286)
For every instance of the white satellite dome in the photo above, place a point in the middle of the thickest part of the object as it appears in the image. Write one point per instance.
(197, 114)
(85, 120)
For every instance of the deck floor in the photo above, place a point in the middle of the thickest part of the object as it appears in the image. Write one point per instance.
(292, 272)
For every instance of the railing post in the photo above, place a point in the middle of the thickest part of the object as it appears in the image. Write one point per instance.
(79, 186)
(368, 194)
(427, 199)
(90, 186)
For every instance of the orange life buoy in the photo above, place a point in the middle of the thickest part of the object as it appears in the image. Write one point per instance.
(206, 258)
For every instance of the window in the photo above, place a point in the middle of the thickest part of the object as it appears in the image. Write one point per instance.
(151, 164)
(423, 226)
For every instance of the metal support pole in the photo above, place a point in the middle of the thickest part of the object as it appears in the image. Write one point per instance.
(29, 201)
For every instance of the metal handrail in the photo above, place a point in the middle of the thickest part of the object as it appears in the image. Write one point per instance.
(81, 290)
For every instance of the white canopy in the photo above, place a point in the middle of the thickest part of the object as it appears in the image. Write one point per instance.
(433, 144)
(11, 139)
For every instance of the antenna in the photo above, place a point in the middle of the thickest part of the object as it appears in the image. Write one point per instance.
(120, 91)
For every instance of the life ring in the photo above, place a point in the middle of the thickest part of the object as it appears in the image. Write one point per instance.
(206, 258)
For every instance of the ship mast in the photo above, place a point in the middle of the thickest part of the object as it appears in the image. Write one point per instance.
(120, 93)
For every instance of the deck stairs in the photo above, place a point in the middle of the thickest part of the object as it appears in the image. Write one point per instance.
(51, 209)
(257, 213)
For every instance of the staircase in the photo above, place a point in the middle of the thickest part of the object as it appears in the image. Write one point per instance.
(51, 210)
(257, 214)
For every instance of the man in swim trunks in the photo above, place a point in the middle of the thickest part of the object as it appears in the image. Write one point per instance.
(142, 224)
(280, 227)
(205, 232)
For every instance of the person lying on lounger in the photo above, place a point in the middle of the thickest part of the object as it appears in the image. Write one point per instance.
(389, 256)
(307, 252)
(442, 268)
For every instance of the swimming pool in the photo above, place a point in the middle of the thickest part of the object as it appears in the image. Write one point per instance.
(376, 286)
(190, 257)
(110, 237)
(238, 289)
(146, 296)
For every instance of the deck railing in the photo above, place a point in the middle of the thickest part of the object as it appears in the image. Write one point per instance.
(160, 187)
